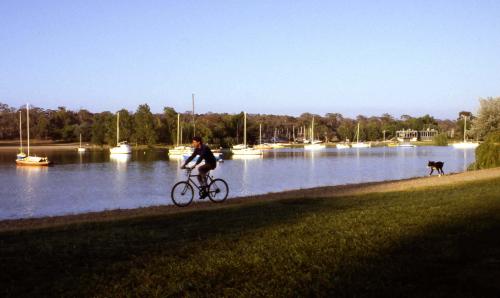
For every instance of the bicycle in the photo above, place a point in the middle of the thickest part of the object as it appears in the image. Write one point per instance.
(183, 192)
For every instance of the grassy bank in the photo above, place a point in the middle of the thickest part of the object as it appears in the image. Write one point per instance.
(435, 241)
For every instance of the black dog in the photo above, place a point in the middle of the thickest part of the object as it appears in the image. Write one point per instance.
(436, 165)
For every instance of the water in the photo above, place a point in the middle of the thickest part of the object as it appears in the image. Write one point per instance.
(94, 182)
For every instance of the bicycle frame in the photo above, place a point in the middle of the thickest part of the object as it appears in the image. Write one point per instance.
(191, 181)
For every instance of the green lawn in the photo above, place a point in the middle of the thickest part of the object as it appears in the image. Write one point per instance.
(437, 242)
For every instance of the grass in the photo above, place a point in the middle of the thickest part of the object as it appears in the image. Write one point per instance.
(434, 242)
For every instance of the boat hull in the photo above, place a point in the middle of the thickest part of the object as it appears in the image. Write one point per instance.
(29, 163)
(361, 145)
(247, 151)
(122, 149)
(465, 145)
(314, 147)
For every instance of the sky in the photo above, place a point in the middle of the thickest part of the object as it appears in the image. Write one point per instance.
(268, 57)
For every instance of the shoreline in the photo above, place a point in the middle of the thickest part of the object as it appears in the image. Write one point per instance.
(345, 190)
(13, 145)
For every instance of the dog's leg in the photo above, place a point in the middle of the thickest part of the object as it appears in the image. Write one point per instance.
(432, 170)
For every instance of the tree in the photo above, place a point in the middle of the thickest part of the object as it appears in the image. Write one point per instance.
(488, 117)
(144, 126)
(168, 129)
(101, 122)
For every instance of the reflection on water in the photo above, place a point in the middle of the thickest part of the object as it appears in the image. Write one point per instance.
(120, 158)
(96, 181)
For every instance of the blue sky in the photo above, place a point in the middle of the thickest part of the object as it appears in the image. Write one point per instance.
(281, 57)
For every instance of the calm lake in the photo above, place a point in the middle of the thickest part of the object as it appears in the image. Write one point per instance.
(93, 181)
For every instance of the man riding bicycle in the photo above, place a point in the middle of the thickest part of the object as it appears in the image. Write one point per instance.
(205, 154)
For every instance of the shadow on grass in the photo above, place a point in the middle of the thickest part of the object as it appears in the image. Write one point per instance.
(460, 258)
(50, 261)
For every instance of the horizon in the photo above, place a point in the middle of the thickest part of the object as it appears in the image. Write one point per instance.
(281, 58)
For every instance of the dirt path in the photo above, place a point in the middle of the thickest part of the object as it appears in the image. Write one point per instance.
(318, 192)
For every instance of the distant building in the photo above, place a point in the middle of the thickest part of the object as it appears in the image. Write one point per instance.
(411, 135)
(427, 135)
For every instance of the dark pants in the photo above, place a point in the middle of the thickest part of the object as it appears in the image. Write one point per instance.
(203, 170)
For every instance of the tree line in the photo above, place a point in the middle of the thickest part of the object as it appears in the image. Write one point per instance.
(221, 129)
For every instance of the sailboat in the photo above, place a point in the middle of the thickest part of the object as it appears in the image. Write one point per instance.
(179, 150)
(344, 145)
(80, 148)
(243, 149)
(121, 147)
(315, 144)
(465, 144)
(29, 160)
(359, 144)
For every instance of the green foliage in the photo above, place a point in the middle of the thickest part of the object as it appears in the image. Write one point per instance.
(145, 126)
(440, 139)
(488, 153)
(99, 128)
(488, 118)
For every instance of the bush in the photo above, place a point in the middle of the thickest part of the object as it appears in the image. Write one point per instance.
(440, 139)
(488, 153)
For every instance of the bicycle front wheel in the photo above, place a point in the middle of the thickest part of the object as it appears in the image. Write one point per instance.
(182, 194)
(218, 190)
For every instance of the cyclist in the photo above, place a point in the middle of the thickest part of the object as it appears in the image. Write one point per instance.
(210, 162)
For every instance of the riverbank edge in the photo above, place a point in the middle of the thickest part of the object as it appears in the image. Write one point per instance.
(344, 190)
(12, 145)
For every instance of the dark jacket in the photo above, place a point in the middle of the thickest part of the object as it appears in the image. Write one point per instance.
(205, 154)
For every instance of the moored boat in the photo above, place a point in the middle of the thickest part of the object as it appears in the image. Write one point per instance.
(465, 144)
(121, 147)
(314, 144)
(23, 159)
(243, 149)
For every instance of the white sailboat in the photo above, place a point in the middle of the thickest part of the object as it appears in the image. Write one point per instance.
(243, 149)
(359, 144)
(179, 150)
(80, 148)
(407, 145)
(465, 144)
(122, 147)
(342, 146)
(29, 160)
(315, 144)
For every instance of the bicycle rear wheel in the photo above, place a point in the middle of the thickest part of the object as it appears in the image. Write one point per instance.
(182, 194)
(218, 190)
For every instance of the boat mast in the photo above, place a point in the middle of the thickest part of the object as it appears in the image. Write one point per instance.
(312, 131)
(28, 126)
(245, 130)
(178, 126)
(465, 126)
(117, 128)
(357, 135)
(20, 132)
(260, 134)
